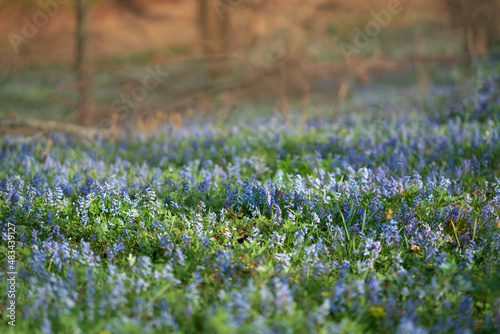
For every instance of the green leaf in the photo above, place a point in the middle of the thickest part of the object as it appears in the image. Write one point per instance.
(94, 208)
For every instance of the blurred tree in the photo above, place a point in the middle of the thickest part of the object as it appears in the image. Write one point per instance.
(480, 21)
(130, 6)
(214, 19)
(137, 9)
(85, 113)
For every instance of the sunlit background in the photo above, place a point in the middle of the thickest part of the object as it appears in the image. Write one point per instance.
(147, 62)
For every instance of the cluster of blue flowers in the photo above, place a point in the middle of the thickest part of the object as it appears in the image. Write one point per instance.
(356, 225)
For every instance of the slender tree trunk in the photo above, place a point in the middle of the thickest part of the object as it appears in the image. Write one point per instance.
(214, 19)
(85, 110)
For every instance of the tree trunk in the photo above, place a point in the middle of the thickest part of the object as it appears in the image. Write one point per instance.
(479, 20)
(214, 19)
(85, 110)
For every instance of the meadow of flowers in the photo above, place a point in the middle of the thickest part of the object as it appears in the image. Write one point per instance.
(361, 225)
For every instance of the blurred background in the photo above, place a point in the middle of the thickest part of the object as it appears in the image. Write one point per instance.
(140, 63)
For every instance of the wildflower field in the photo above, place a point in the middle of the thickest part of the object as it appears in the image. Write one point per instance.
(359, 225)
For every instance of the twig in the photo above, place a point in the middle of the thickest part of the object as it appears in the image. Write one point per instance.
(73, 129)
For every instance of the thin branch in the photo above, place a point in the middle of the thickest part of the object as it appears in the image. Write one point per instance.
(45, 126)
